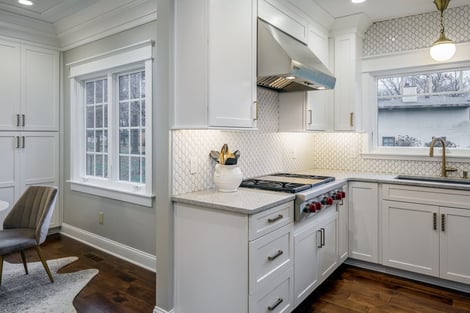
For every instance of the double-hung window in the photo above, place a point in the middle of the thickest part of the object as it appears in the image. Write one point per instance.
(111, 101)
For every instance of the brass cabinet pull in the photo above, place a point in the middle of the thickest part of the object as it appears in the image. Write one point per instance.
(434, 221)
(273, 257)
(275, 305)
(443, 222)
(321, 238)
(277, 218)
(351, 119)
(256, 110)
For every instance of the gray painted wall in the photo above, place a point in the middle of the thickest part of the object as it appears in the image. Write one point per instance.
(125, 223)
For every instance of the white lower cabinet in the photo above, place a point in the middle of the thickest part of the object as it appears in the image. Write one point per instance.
(315, 252)
(232, 262)
(363, 221)
(423, 234)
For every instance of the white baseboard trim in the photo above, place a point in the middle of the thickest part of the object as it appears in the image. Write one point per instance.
(127, 253)
(160, 310)
(409, 275)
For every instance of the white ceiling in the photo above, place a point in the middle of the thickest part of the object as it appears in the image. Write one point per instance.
(52, 11)
(46, 10)
(378, 10)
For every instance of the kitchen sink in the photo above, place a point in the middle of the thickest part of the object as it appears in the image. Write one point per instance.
(435, 179)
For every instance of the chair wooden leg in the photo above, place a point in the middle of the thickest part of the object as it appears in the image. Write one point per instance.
(44, 263)
(1, 268)
(24, 262)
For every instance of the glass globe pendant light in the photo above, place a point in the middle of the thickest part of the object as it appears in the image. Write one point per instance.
(443, 48)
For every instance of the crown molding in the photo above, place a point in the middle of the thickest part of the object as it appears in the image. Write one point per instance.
(105, 18)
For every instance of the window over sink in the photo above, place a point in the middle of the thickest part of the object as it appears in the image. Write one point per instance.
(414, 107)
(111, 102)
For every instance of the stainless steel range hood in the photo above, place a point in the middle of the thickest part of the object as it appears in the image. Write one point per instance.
(285, 64)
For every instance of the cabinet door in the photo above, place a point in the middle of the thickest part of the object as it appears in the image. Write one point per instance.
(363, 221)
(347, 89)
(343, 229)
(306, 244)
(328, 253)
(318, 110)
(232, 63)
(40, 101)
(8, 171)
(454, 251)
(411, 237)
(39, 159)
(279, 14)
(10, 86)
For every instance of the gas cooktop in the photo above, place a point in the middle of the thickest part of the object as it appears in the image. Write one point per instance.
(286, 182)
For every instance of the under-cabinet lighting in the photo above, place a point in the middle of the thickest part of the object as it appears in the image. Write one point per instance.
(25, 2)
(357, 1)
(290, 77)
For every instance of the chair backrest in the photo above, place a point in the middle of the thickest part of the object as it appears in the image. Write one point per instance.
(33, 210)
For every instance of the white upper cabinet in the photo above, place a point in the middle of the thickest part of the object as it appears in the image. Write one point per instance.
(40, 89)
(10, 93)
(30, 87)
(279, 14)
(215, 72)
(348, 86)
(304, 111)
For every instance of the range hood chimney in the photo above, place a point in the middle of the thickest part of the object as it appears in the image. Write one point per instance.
(286, 64)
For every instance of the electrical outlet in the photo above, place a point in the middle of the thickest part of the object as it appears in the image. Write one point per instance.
(101, 218)
(193, 165)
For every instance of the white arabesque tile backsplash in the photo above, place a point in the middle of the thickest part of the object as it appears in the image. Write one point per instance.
(266, 151)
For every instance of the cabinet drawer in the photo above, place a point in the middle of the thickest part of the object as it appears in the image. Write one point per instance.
(276, 297)
(269, 256)
(427, 195)
(267, 221)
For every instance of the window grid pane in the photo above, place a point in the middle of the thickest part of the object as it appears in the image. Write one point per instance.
(96, 111)
(132, 127)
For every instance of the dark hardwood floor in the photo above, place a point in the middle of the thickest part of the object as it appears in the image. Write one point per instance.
(351, 289)
(119, 287)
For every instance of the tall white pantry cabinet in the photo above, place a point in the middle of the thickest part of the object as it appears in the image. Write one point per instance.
(29, 119)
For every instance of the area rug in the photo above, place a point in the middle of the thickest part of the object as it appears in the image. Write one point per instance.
(34, 293)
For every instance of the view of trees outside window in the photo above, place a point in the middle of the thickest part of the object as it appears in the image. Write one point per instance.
(96, 106)
(132, 127)
(414, 108)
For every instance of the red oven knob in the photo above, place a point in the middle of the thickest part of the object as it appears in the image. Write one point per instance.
(338, 195)
(327, 201)
(343, 194)
(318, 205)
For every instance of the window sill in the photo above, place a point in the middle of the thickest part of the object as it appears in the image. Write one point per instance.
(112, 193)
(416, 155)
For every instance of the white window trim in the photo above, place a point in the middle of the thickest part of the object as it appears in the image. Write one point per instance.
(399, 63)
(121, 59)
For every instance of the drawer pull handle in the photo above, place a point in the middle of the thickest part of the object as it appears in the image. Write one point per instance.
(278, 302)
(277, 218)
(434, 220)
(319, 245)
(17, 120)
(273, 257)
(323, 237)
(443, 222)
(24, 120)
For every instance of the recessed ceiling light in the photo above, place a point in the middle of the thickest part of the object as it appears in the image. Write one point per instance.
(25, 2)
(357, 1)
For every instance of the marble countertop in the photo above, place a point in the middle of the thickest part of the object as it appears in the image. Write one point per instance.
(250, 201)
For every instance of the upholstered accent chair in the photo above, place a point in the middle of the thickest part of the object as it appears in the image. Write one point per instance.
(27, 224)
